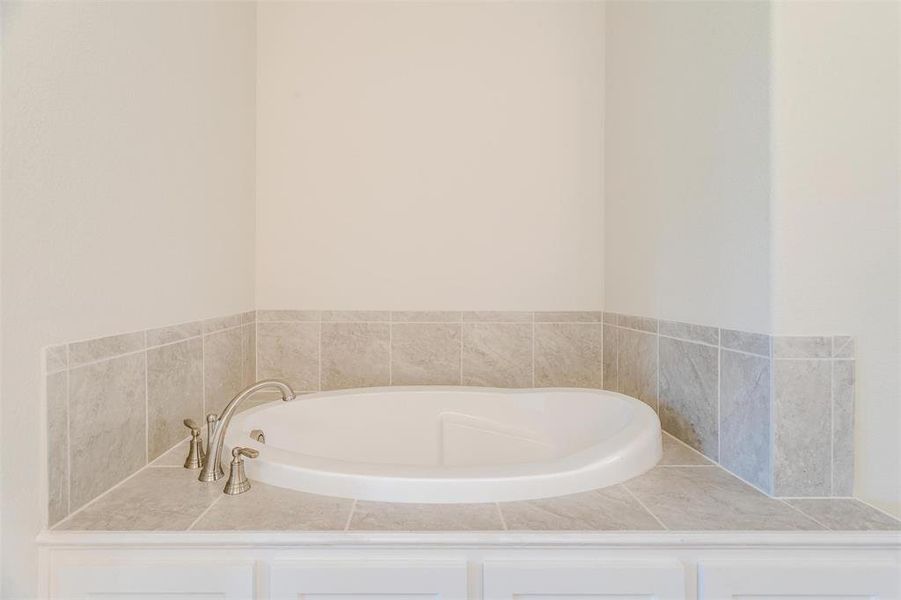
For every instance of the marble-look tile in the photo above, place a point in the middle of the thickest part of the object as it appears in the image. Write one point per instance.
(249, 352)
(497, 316)
(425, 353)
(676, 453)
(569, 355)
(289, 351)
(845, 514)
(107, 425)
(89, 351)
(173, 333)
(611, 361)
(223, 368)
(355, 355)
(638, 365)
(709, 498)
(497, 354)
(611, 318)
(842, 346)
(801, 422)
(386, 516)
(744, 341)
(269, 508)
(573, 316)
(690, 331)
(842, 427)
(793, 346)
(352, 316)
(426, 316)
(57, 446)
(249, 316)
(220, 323)
(745, 445)
(156, 499)
(288, 315)
(175, 456)
(636, 322)
(688, 393)
(611, 508)
(174, 393)
(56, 358)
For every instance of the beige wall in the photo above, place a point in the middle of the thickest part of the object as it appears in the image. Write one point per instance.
(687, 162)
(127, 198)
(836, 189)
(430, 155)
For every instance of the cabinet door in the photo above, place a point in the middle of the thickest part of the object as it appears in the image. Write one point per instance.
(159, 580)
(839, 580)
(651, 580)
(364, 579)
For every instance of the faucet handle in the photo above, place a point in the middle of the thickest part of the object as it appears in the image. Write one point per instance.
(192, 425)
(237, 480)
(196, 455)
(248, 452)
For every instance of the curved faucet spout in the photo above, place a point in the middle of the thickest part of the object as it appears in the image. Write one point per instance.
(212, 468)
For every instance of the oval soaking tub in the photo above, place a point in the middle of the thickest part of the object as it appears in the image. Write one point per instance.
(449, 444)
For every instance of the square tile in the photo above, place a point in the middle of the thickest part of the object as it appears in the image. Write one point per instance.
(425, 353)
(497, 354)
(355, 354)
(174, 393)
(689, 376)
(611, 509)
(386, 516)
(569, 355)
(289, 351)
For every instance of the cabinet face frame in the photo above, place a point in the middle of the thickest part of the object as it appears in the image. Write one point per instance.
(477, 551)
(654, 579)
(163, 577)
(413, 578)
(873, 580)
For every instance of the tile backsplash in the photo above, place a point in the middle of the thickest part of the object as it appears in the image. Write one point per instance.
(116, 403)
(777, 412)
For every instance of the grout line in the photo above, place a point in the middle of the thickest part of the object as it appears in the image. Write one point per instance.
(205, 511)
(532, 346)
(146, 405)
(203, 382)
(865, 503)
(460, 381)
(831, 427)
(103, 494)
(68, 437)
(692, 450)
(500, 514)
(319, 355)
(642, 504)
(682, 339)
(390, 353)
(350, 515)
(719, 394)
(799, 511)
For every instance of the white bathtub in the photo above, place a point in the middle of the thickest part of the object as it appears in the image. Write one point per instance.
(449, 444)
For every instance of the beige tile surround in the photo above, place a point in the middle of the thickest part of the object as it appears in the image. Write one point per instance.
(326, 350)
(116, 403)
(125, 395)
(684, 493)
(778, 411)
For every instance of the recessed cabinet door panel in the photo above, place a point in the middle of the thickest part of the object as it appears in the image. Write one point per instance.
(362, 580)
(163, 580)
(663, 580)
(839, 580)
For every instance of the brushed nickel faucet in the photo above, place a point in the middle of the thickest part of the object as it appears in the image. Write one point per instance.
(217, 426)
(237, 480)
(195, 450)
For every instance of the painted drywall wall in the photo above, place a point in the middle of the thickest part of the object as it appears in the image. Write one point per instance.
(430, 155)
(127, 160)
(836, 109)
(687, 165)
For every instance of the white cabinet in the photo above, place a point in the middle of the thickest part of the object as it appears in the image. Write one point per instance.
(156, 579)
(839, 580)
(364, 579)
(653, 580)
